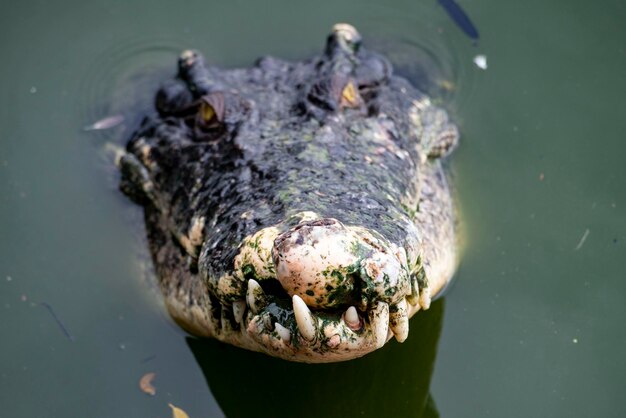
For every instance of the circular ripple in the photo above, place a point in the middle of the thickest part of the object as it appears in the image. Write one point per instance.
(123, 79)
(425, 48)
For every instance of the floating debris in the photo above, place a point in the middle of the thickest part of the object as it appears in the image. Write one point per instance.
(582, 240)
(106, 123)
(481, 61)
(58, 321)
(177, 412)
(461, 18)
(145, 383)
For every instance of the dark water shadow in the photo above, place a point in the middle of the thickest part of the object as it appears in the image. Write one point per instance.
(393, 381)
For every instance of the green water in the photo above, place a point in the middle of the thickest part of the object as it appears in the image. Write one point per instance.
(534, 323)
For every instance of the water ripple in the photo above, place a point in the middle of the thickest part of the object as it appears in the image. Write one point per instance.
(122, 79)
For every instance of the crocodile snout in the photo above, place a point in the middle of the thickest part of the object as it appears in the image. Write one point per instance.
(315, 260)
(328, 264)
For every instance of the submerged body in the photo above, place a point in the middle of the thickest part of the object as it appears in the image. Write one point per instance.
(298, 209)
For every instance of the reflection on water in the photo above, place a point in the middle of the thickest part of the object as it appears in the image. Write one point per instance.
(393, 382)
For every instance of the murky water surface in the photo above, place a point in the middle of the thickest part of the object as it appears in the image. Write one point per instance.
(533, 325)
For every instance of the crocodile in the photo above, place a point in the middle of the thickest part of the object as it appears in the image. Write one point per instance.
(300, 209)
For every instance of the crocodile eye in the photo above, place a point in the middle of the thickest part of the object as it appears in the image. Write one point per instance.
(212, 108)
(207, 113)
(345, 92)
(219, 113)
(209, 121)
(350, 96)
(338, 92)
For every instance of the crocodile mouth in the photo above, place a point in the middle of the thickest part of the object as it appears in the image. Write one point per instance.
(320, 291)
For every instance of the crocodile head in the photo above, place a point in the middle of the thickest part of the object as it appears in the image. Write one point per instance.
(295, 208)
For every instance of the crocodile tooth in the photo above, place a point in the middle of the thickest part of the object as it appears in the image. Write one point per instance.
(225, 315)
(255, 297)
(214, 321)
(379, 321)
(399, 321)
(304, 318)
(239, 308)
(352, 320)
(282, 332)
(425, 298)
(413, 298)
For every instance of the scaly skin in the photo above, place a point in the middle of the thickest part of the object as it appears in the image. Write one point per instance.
(298, 209)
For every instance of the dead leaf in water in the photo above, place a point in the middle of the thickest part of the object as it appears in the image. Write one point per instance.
(177, 412)
(145, 384)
